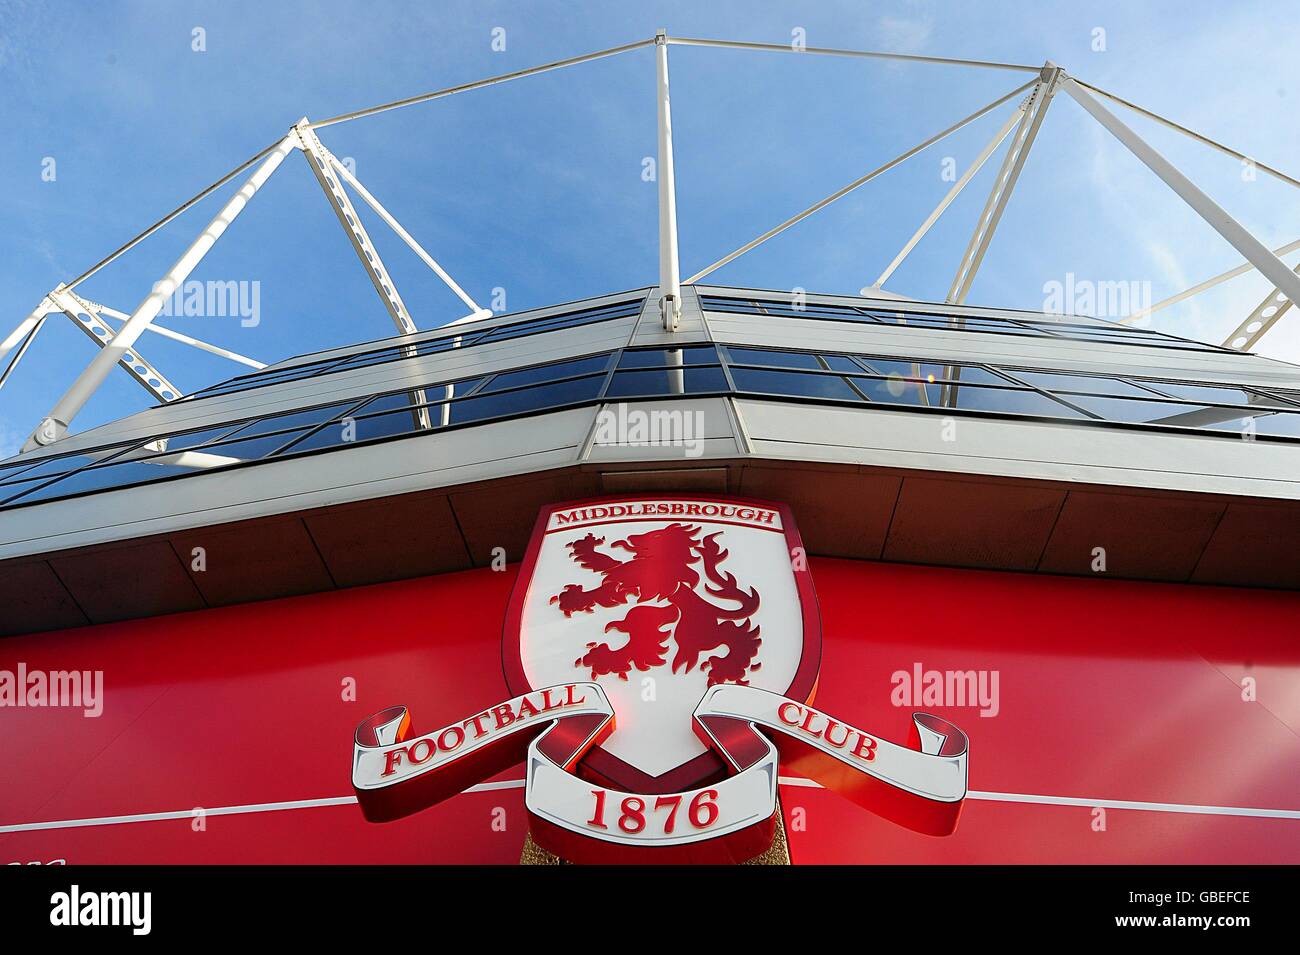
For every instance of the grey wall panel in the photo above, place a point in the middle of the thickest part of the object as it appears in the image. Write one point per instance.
(1030, 449)
(369, 471)
(455, 328)
(929, 343)
(389, 376)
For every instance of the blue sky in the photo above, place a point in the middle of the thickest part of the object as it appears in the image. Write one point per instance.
(535, 186)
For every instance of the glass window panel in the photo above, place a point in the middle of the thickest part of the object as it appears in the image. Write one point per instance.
(1133, 409)
(1213, 394)
(793, 383)
(9, 472)
(342, 433)
(1093, 383)
(559, 369)
(70, 462)
(1004, 400)
(659, 357)
(896, 390)
(179, 442)
(842, 363)
(283, 422)
(932, 371)
(1281, 424)
(526, 399)
(659, 382)
(405, 399)
(251, 449)
(8, 492)
(104, 478)
(774, 359)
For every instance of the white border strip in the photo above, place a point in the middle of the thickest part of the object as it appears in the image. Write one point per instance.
(784, 781)
(1098, 803)
(225, 810)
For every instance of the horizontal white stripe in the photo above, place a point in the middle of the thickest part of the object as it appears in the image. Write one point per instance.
(226, 810)
(784, 780)
(1102, 803)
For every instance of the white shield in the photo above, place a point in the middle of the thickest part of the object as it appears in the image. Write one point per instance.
(657, 599)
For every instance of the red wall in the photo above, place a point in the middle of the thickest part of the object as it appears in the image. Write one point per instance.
(1108, 690)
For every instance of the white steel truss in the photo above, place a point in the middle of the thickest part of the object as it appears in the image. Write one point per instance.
(320, 160)
(1031, 120)
(117, 347)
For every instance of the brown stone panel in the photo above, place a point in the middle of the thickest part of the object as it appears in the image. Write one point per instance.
(839, 513)
(123, 582)
(254, 560)
(1254, 545)
(1154, 538)
(971, 523)
(376, 541)
(33, 599)
(502, 515)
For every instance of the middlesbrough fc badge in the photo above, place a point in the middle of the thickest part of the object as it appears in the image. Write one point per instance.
(662, 655)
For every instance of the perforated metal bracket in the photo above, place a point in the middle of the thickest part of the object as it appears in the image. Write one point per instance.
(320, 159)
(85, 315)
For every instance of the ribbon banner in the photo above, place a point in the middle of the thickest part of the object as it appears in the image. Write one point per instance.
(920, 786)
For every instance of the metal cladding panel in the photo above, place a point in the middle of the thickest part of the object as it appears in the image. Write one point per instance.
(687, 430)
(934, 343)
(388, 376)
(1051, 450)
(1155, 668)
(458, 327)
(365, 472)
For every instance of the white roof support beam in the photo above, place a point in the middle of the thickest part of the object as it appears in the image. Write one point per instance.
(839, 194)
(56, 423)
(1204, 286)
(480, 84)
(27, 340)
(86, 317)
(1254, 251)
(325, 167)
(176, 336)
(1031, 120)
(1257, 323)
(318, 158)
(1193, 134)
(21, 333)
(858, 54)
(476, 311)
(670, 274)
(944, 203)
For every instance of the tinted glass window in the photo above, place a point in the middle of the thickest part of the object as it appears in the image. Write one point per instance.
(1125, 409)
(349, 430)
(1096, 384)
(1212, 394)
(773, 359)
(931, 371)
(793, 383)
(296, 419)
(898, 391)
(693, 381)
(559, 369)
(661, 357)
(525, 399)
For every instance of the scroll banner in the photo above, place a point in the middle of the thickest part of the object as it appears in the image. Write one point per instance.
(920, 786)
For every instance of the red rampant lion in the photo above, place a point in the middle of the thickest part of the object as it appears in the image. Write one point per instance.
(661, 569)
